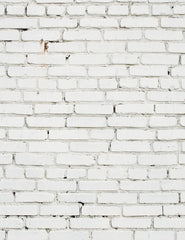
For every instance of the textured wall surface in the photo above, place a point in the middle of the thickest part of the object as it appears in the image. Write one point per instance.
(92, 124)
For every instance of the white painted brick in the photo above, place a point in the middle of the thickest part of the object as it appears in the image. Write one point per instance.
(142, 210)
(131, 134)
(137, 173)
(48, 147)
(112, 71)
(27, 71)
(34, 173)
(89, 146)
(55, 173)
(96, 10)
(163, 35)
(139, 9)
(129, 146)
(98, 185)
(21, 234)
(102, 134)
(2, 235)
(174, 210)
(20, 23)
(55, 10)
(27, 134)
(56, 185)
(160, 59)
(42, 223)
(81, 35)
(157, 173)
(170, 108)
(100, 210)
(68, 134)
(46, 59)
(108, 84)
(15, 146)
(9, 35)
(146, 47)
(69, 234)
(161, 9)
(2, 10)
(140, 185)
(180, 235)
(172, 22)
(17, 184)
(57, 23)
(84, 96)
(117, 173)
(87, 59)
(76, 173)
(86, 122)
(152, 235)
(15, 10)
(19, 210)
(59, 210)
(110, 234)
(72, 71)
(176, 47)
(179, 9)
(35, 10)
(14, 172)
(122, 222)
(122, 34)
(36, 35)
(118, 10)
(165, 146)
(75, 159)
(127, 198)
(33, 159)
(148, 82)
(157, 159)
(124, 59)
(77, 197)
(53, 109)
(11, 223)
(98, 23)
(94, 109)
(165, 222)
(148, 71)
(5, 158)
(135, 108)
(127, 121)
(76, 10)
(45, 122)
(139, 22)
(6, 197)
(116, 159)
(23, 47)
(92, 119)
(106, 47)
(31, 197)
(96, 174)
(86, 223)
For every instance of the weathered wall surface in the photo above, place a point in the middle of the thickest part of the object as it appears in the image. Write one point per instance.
(92, 124)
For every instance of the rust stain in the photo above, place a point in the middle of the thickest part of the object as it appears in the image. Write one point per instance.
(45, 46)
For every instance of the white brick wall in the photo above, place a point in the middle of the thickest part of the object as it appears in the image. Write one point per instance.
(92, 126)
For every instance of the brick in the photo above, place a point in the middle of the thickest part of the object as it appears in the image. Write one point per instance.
(110, 234)
(122, 222)
(86, 223)
(70, 234)
(21, 234)
(151, 235)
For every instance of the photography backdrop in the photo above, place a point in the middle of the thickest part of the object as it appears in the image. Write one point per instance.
(92, 124)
